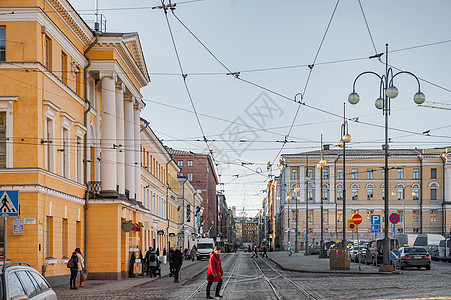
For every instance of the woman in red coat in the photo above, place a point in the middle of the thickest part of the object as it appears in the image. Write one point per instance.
(215, 272)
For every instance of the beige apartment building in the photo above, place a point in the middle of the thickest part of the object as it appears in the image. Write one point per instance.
(419, 191)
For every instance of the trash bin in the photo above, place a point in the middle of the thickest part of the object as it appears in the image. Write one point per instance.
(339, 259)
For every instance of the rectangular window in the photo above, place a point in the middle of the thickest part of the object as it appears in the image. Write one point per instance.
(65, 153)
(49, 146)
(354, 173)
(47, 52)
(355, 194)
(3, 139)
(383, 174)
(63, 67)
(415, 194)
(180, 163)
(433, 194)
(64, 238)
(79, 158)
(189, 163)
(339, 215)
(190, 176)
(325, 193)
(2, 43)
(434, 173)
(326, 216)
(416, 215)
(369, 174)
(400, 194)
(369, 194)
(293, 215)
(294, 174)
(340, 174)
(416, 174)
(383, 193)
(400, 173)
(339, 194)
(401, 215)
(325, 173)
(49, 237)
(310, 173)
(433, 216)
(309, 194)
(310, 215)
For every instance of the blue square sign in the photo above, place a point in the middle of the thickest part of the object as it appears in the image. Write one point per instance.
(9, 204)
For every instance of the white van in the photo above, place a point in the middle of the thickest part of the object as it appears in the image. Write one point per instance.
(204, 247)
(442, 250)
(427, 239)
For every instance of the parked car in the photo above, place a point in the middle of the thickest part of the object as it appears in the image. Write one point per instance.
(444, 250)
(374, 252)
(355, 253)
(415, 256)
(314, 249)
(433, 251)
(21, 281)
(362, 254)
(327, 245)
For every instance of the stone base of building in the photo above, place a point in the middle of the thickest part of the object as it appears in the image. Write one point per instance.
(386, 268)
(107, 275)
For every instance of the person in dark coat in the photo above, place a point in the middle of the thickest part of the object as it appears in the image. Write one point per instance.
(171, 261)
(214, 273)
(265, 254)
(74, 271)
(147, 260)
(177, 258)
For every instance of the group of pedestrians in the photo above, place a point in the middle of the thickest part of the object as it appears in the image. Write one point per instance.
(264, 252)
(76, 264)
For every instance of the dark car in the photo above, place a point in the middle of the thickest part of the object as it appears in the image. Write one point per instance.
(415, 256)
(314, 249)
(374, 252)
(433, 251)
(327, 245)
(21, 281)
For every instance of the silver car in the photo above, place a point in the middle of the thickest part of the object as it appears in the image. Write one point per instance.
(21, 281)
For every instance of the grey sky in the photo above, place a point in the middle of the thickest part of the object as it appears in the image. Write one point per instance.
(258, 34)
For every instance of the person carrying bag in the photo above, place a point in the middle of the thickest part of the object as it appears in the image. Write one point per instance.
(214, 273)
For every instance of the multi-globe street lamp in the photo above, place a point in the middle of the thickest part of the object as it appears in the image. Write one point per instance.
(320, 166)
(387, 92)
(296, 190)
(306, 182)
(344, 139)
(289, 225)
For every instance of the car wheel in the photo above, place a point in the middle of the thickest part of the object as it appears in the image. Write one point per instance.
(401, 267)
(428, 267)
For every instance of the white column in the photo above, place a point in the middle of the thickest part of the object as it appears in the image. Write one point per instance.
(137, 141)
(331, 184)
(317, 185)
(129, 137)
(120, 154)
(448, 179)
(108, 158)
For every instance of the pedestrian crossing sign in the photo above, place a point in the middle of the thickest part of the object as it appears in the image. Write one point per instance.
(9, 204)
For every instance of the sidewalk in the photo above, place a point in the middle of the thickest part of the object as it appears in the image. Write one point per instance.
(312, 264)
(115, 285)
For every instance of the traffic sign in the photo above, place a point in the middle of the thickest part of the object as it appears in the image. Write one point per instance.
(9, 204)
(18, 227)
(299, 234)
(375, 228)
(394, 218)
(375, 220)
(357, 219)
(395, 254)
(351, 226)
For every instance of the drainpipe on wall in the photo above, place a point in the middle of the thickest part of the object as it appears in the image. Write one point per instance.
(420, 158)
(442, 156)
(85, 143)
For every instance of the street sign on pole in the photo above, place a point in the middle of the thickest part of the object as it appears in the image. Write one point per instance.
(395, 254)
(375, 223)
(357, 219)
(351, 226)
(394, 218)
(9, 204)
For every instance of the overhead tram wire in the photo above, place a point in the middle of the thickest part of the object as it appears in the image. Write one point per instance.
(368, 27)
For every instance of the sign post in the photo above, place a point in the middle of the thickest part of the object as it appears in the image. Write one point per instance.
(357, 220)
(394, 219)
(9, 207)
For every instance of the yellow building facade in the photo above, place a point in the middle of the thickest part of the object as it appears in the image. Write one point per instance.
(69, 111)
(419, 191)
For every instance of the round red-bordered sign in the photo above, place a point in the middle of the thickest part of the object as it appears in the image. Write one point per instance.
(394, 218)
(357, 219)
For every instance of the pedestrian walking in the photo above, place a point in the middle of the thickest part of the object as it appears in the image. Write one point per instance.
(255, 254)
(193, 253)
(214, 273)
(154, 263)
(81, 267)
(178, 261)
(171, 261)
(73, 265)
(265, 254)
(147, 261)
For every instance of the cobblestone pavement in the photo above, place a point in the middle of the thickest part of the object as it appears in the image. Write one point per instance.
(247, 278)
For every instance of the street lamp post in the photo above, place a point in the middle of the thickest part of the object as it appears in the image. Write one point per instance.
(296, 190)
(307, 179)
(344, 139)
(289, 228)
(387, 92)
(320, 166)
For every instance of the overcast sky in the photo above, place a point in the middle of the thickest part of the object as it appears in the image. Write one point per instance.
(271, 44)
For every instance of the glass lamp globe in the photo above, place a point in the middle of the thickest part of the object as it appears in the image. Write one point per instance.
(379, 103)
(419, 98)
(353, 98)
(340, 143)
(392, 92)
(347, 138)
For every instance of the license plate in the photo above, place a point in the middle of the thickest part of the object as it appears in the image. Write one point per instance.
(418, 257)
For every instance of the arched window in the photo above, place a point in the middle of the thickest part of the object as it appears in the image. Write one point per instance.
(369, 191)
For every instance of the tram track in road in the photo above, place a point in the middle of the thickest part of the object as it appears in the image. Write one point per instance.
(273, 286)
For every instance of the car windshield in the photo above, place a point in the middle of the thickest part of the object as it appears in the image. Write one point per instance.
(415, 250)
(205, 246)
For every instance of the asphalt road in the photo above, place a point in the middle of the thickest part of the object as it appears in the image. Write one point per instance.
(248, 278)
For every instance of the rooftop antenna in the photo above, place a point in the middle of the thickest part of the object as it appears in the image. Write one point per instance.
(96, 25)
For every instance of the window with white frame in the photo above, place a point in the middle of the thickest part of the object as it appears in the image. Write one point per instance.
(310, 194)
(65, 152)
(79, 159)
(189, 163)
(180, 163)
(49, 145)
(294, 174)
(355, 194)
(434, 173)
(369, 193)
(401, 193)
(416, 215)
(190, 176)
(325, 193)
(400, 173)
(2, 43)
(325, 173)
(310, 215)
(339, 193)
(339, 174)
(326, 216)
(433, 193)
(433, 216)
(2, 139)
(369, 174)
(355, 173)
(415, 193)
(416, 174)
